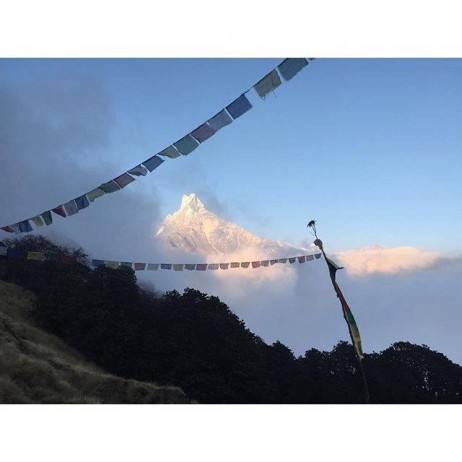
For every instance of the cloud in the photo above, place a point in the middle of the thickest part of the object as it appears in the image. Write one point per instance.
(378, 259)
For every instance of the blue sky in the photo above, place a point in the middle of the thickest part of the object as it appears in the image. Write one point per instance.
(371, 148)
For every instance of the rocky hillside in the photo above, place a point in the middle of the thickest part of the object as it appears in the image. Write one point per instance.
(37, 367)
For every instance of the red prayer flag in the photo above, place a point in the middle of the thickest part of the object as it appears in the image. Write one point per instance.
(60, 211)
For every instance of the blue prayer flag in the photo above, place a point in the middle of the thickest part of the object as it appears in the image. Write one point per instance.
(202, 133)
(152, 163)
(290, 67)
(82, 202)
(239, 107)
(220, 120)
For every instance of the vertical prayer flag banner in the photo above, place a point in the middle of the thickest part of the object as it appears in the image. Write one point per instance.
(170, 152)
(186, 145)
(220, 120)
(152, 163)
(124, 180)
(94, 194)
(203, 132)
(239, 107)
(268, 83)
(347, 314)
(290, 67)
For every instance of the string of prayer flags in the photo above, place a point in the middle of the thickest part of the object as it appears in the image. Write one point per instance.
(184, 146)
(290, 67)
(268, 83)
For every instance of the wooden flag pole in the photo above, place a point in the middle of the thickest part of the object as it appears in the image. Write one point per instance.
(348, 316)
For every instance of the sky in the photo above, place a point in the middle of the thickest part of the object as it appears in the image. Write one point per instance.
(370, 148)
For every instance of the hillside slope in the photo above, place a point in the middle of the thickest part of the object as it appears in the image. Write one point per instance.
(37, 367)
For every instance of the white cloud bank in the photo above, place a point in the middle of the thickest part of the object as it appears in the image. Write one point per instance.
(386, 260)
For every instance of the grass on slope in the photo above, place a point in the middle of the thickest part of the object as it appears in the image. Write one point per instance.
(37, 367)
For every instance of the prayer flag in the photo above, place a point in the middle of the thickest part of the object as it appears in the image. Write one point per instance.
(282, 260)
(267, 83)
(186, 145)
(94, 194)
(82, 202)
(220, 120)
(112, 264)
(126, 264)
(97, 263)
(68, 259)
(256, 264)
(213, 266)
(139, 170)
(8, 229)
(190, 266)
(201, 267)
(292, 260)
(152, 266)
(301, 259)
(170, 152)
(274, 261)
(203, 132)
(38, 221)
(245, 264)
(166, 266)
(178, 267)
(309, 257)
(224, 266)
(60, 211)
(152, 163)
(235, 264)
(38, 256)
(290, 67)
(71, 208)
(347, 314)
(24, 226)
(317, 256)
(15, 228)
(15, 254)
(124, 180)
(265, 263)
(139, 266)
(47, 218)
(110, 187)
(239, 107)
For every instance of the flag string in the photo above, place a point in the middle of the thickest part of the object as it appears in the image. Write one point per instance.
(184, 146)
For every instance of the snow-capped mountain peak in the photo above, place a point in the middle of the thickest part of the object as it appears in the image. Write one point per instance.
(194, 229)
